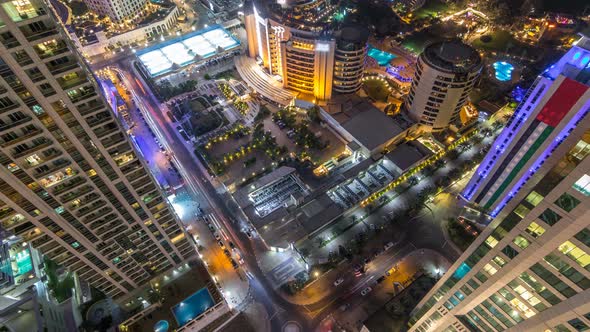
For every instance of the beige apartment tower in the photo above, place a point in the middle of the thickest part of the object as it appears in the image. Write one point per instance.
(445, 75)
(71, 184)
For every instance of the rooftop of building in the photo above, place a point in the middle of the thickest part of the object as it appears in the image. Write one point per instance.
(407, 154)
(452, 56)
(313, 16)
(366, 123)
(575, 64)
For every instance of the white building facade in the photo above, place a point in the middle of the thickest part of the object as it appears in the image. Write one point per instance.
(445, 75)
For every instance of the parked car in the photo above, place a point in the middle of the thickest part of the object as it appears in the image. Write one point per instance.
(388, 245)
(366, 291)
(338, 281)
(227, 253)
(380, 280)
(221, 244)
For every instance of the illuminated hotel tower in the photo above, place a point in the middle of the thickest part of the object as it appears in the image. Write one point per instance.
(529, 270)
(296, 42)
(71, 185)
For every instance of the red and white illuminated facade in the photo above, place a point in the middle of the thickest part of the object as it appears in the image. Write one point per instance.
(553, 107)
(529, 270)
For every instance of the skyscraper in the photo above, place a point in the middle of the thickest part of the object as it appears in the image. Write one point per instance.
(445, 75)
(529, 270)
(71, 184)
(538, 129)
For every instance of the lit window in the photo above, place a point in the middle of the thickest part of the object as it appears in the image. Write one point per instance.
(500, 261)
(575, 253)
(583, 185)
(491, 241)
(528, 312)
(522, 211)
(535, 230)
(33, 159)
(490, 269)
(521, 242)
(534, 198)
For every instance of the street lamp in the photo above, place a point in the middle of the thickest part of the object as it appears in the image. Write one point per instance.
(316, 274)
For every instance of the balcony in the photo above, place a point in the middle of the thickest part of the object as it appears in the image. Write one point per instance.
(33, 35)
(99, 118)
(56, 165)
(26, 136)
(62, 68)
(72, 195)
(89, 208)
(5, 126)
(10, 42)
(90, 107)
(81, 94)
(72, 80)
(107, 129)
(51, 48)
(63, 187)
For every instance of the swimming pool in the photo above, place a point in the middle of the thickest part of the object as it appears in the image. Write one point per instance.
(382, 57)
(192, 306)
(503, 71)
(161, 326)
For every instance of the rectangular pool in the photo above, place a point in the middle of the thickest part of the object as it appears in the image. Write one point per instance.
(192, 306)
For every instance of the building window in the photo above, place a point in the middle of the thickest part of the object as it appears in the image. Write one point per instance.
(521, 242)
(584, 237)
(500, 261)
(510, 252)
(577, 324)
(491, 241)
(550, 217)
(521, 211)
(572, 251)
(567, 202)
(534, 198)
(490, 269)
(583, 185)
(535, 230)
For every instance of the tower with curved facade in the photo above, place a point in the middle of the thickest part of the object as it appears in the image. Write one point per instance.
(299, 43)
(445, 75)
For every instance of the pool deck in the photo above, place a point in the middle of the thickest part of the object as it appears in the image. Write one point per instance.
(175, 292)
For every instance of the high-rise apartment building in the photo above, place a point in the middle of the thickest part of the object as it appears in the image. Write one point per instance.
(117, 10)
(445, 75)
(533, 133)
(529, 270)
(310, 54)
(71, 184)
